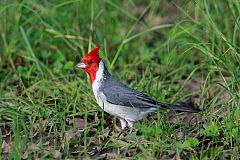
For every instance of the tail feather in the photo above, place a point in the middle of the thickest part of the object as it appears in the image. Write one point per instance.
(181, 107)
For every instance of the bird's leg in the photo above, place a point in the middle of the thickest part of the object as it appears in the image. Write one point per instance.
(130, 124)
(123, 123)
(123, 126)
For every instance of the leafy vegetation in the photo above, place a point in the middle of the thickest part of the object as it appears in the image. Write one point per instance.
(172, 50)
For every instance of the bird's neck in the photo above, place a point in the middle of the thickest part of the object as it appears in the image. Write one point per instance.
(92, 76)
(99, 73)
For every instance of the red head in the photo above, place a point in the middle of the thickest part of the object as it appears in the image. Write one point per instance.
(90, 63)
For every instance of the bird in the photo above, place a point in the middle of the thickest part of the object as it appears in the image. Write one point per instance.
(118, 99)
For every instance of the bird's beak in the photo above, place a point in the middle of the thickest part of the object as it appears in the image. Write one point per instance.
(81, 65)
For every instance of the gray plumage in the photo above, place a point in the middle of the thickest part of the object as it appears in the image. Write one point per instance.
(120, 94)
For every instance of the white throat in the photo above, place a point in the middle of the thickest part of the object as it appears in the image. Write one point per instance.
(98, 82)
(99, 74)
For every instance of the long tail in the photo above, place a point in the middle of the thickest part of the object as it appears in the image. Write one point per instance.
(181, 107)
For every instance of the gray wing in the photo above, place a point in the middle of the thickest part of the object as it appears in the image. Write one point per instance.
(120, 94)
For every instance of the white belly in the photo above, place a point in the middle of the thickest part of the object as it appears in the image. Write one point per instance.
(128, 113)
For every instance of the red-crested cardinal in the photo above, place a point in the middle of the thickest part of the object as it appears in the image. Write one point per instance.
(114, 97)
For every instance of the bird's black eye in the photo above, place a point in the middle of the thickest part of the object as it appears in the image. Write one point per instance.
(89, 62)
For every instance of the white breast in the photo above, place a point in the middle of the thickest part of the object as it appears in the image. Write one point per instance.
(97, 83)
(130, 113)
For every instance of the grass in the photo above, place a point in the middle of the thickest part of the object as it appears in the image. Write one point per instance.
(172, 50)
